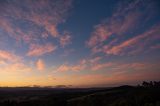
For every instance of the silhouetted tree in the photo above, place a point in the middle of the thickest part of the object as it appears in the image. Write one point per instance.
(145, 84)
(156, 84)
(151, 84)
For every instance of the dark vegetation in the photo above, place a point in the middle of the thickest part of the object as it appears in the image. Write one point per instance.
(147, 94)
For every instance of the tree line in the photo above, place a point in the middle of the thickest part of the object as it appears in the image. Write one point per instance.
(151, 84)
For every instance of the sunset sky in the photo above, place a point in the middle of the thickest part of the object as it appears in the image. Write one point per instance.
(79, 43)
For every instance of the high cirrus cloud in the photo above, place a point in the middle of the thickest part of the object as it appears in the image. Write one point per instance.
(31, 22)
(110, 36)
(48, 13)
(65, 39)
(66, 67)
(38, 50)
(116, 25)
(139, 43)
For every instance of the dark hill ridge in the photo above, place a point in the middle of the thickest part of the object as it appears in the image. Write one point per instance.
(118, 96)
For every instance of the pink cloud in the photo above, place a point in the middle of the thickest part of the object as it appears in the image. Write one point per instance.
(101, 66)
(52, 29)
(10, 62)
(130, 72)
(115, 25)
(52, 17)
(36, 18)
(16, 32)
(100, 34)
(135, 44)
(96, 64)
(79, 66)
(6, 25)
(2, 62)
(40, 65)
(38, 50)
(113, 73)
(8, 56)
(16, 67)
(65, 39)
(107, 36)
(83, 64)
(65, 67)
(95, 60)
(49, 19)
(142, 71)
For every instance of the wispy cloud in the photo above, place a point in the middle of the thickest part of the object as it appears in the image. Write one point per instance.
(65, 39)
(32, 21)
(101, 66)
(95, 60)
(38, 50)
(46, 13)
(66, 67)
(121, 73)
(108, 36)
(10, 62)
(16, 68)
(124, 19)
(84, 64)
(79, 66)
(8, 56)
(136, 44)
(97, 64)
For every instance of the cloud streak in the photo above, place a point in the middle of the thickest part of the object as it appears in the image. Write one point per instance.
(65, 67)
(10, 62)
(38, 50)
(65, 39)
(136, 44)
(109, 36)
(124, 19)
(8, 56)
(32, 21)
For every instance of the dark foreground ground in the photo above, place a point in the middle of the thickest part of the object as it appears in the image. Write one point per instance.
(118, 96)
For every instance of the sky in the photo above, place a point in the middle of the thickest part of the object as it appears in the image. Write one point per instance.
(79, 43)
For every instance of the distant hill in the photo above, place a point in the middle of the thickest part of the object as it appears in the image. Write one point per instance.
(147, 94)
(120, 96)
